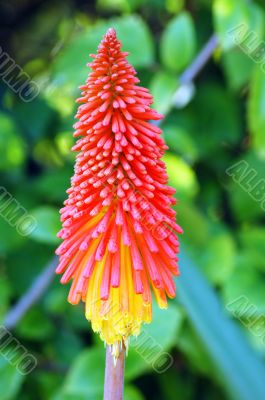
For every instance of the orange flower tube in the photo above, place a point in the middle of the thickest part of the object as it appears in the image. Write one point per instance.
(119, 230)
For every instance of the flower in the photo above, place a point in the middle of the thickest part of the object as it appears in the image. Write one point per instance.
(119, 230)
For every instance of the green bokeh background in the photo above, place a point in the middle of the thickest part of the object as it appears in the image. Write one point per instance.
(223, 123)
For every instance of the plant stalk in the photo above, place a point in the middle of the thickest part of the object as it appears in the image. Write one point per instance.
(114, 375)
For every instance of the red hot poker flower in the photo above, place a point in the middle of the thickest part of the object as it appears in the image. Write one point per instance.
(119, 230)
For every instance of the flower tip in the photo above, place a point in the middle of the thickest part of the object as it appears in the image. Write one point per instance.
(111, 32)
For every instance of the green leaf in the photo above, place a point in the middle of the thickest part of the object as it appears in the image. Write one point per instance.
(252, 240)
(70, 68)
(58, 180)
(67, 346)
(213, 130)
(231, 18)
(180, 140)
(40, 116)
(24, 264)
(149, 349)
(132, 31)
(178, 42)
(46, 382)
(162, 87)
(191, 345)
(242, 184)
(132, 393)
(256, 110)
(238, 67)
(174, 6)
(10, 237)
(213, 238)
(171, 383)
(10, 380)
(86, 375)
(240, 370)
(48, 224)
(246, 282)
(5, 292)
(218, 269)
(235, 20)
(34, 326)
(256, 21)
(254, 335)
(181, 176)
(12, 147)
(189, 215)
(55, 300)
(61, 395)
(119, 5)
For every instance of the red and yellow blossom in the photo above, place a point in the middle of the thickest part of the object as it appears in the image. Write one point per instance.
(119, 230)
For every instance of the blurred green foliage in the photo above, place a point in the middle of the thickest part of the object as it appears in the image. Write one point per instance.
(222, 124)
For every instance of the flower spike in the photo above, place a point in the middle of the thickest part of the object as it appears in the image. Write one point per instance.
(119, 230)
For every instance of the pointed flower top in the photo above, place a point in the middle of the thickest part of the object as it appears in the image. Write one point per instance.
(119, 230)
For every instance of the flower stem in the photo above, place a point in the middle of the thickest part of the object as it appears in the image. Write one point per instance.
(114, 375)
